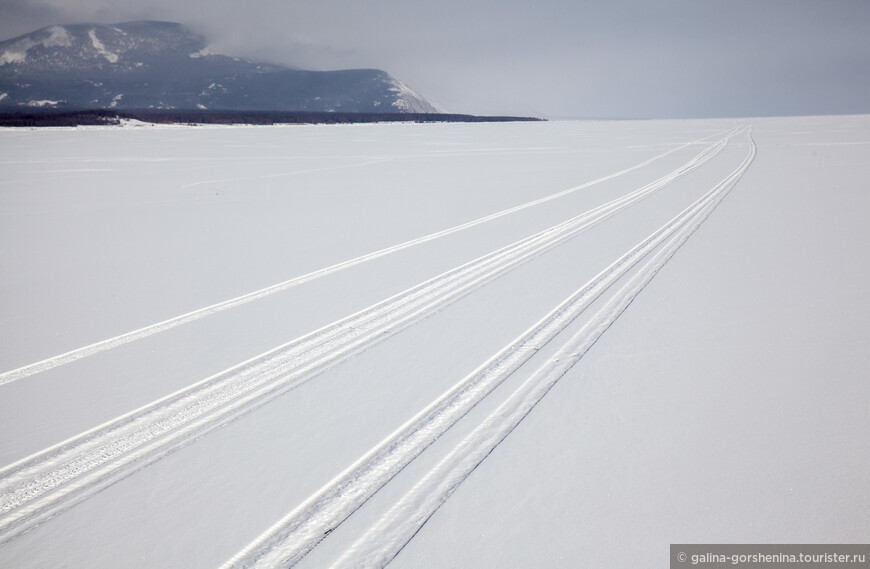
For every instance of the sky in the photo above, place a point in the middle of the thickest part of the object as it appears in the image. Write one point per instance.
(548, 58)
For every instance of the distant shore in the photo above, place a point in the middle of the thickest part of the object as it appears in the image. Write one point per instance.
(110, 117)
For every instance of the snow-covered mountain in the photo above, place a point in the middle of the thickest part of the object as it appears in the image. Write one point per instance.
(151, 64)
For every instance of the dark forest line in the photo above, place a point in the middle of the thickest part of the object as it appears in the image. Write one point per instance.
(92, 117)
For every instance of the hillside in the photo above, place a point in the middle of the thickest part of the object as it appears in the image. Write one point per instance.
(164, 65)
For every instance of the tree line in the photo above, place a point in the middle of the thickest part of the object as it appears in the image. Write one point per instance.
(91, 117)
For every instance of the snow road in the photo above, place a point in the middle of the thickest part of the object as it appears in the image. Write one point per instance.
(466, 269)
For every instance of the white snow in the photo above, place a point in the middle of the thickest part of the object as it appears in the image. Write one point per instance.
(409, 101)
(101, 49)
(3, 96)
(558, 344)
(134, 123)
(116, 99)
(212, 87)
(57, 37)
(42, 103)
(13, 56)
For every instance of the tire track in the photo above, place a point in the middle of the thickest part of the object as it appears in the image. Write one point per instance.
(144, 332)
(55, 479)
(293, 537)
(400, 524)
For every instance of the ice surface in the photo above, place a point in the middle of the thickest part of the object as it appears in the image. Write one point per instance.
(726, 403)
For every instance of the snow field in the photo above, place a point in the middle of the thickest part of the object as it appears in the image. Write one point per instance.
(192, 347)
(379, 373)
(732, 415)
(217, 400)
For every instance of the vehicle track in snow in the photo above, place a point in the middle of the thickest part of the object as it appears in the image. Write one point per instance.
(48, 482)
(168, 324)
(383, 541)
(291, 538)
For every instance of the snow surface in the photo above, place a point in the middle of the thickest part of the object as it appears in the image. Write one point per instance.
(101, 49)
(563, 344)
(58, 36)
(409, 101)
(43, 103)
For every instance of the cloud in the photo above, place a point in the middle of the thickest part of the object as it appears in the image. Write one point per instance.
(18, 17)
(628, 58)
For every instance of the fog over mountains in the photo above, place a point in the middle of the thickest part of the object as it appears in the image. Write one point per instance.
(147, 64)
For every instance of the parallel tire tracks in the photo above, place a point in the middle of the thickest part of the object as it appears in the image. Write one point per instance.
(144, 332)
(293, 537)
(383, 541)
(57, 478)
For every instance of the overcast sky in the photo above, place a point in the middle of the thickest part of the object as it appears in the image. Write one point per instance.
(552, 58)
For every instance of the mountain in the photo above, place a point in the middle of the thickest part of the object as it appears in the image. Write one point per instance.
(139, 65)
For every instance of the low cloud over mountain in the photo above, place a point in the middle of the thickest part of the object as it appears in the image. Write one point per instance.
(164, 65)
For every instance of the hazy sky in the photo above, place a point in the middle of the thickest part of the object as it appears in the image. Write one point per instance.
(553, 58)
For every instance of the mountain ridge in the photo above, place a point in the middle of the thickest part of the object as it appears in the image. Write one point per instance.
(165, 65)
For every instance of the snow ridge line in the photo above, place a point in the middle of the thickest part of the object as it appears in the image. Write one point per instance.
(138, 334)
(383, 541)
(295, 535)
(56, 478)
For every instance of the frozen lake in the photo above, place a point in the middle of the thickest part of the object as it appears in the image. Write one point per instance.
(563, 344)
